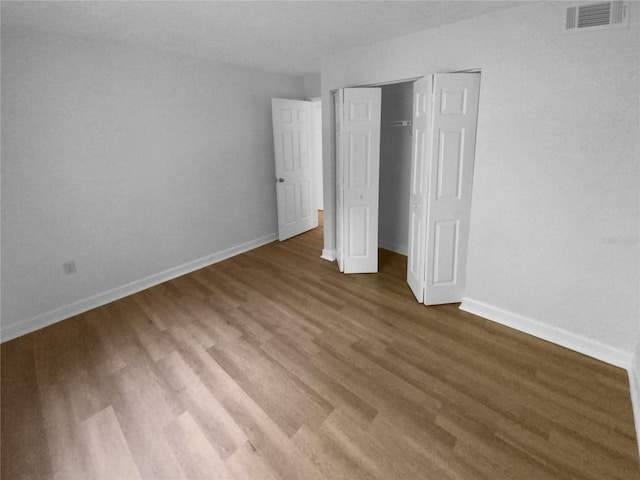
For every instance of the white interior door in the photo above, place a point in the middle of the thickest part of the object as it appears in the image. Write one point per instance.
(450, 177)
(292, 131)
(359, 160)
(418, 188)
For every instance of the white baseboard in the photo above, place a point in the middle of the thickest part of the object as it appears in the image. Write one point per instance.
(634, 387)
(394, 247)
(559, 336)
(47, 318)
(328, 254)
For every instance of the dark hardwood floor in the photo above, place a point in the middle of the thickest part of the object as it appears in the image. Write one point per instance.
(273, 365)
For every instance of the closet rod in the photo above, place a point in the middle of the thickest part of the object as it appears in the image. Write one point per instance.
(398, 123)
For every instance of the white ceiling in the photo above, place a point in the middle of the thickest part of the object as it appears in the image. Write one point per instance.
(282, 36)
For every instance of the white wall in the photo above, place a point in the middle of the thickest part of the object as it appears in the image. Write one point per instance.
(395, 168)
(554, 226)
(130, 162)
(312, 85)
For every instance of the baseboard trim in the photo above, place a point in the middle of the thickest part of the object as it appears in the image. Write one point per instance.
(48, 318)
(328, 255)
(559, 336)
(634, 387)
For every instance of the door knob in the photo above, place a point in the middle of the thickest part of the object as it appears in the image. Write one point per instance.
(280, 180)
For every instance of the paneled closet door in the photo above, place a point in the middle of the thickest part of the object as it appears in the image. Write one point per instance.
(418, 189)
(358, 167)
(449, 184)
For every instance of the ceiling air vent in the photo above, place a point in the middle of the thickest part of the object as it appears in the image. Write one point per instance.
(601, 15)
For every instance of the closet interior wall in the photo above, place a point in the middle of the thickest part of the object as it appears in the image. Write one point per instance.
(395, 167)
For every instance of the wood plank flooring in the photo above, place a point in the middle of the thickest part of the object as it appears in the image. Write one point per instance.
(272, 365)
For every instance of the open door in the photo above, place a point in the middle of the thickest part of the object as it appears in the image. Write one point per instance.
(418, 194)
(449, 182)
(292, 130)
(358, 170)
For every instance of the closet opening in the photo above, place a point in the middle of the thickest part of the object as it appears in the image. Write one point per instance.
(395, 167)
(404, 154)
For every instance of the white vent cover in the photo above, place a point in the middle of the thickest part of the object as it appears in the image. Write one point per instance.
(601, 15)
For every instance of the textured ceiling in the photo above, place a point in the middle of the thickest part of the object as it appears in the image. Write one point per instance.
(283, 36)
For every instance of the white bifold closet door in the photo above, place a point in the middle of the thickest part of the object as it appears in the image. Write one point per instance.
(357, 120)
(296, 199)
(445, 116)
(417, 196)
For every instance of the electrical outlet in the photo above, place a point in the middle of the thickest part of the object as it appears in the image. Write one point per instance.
(69, 267)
